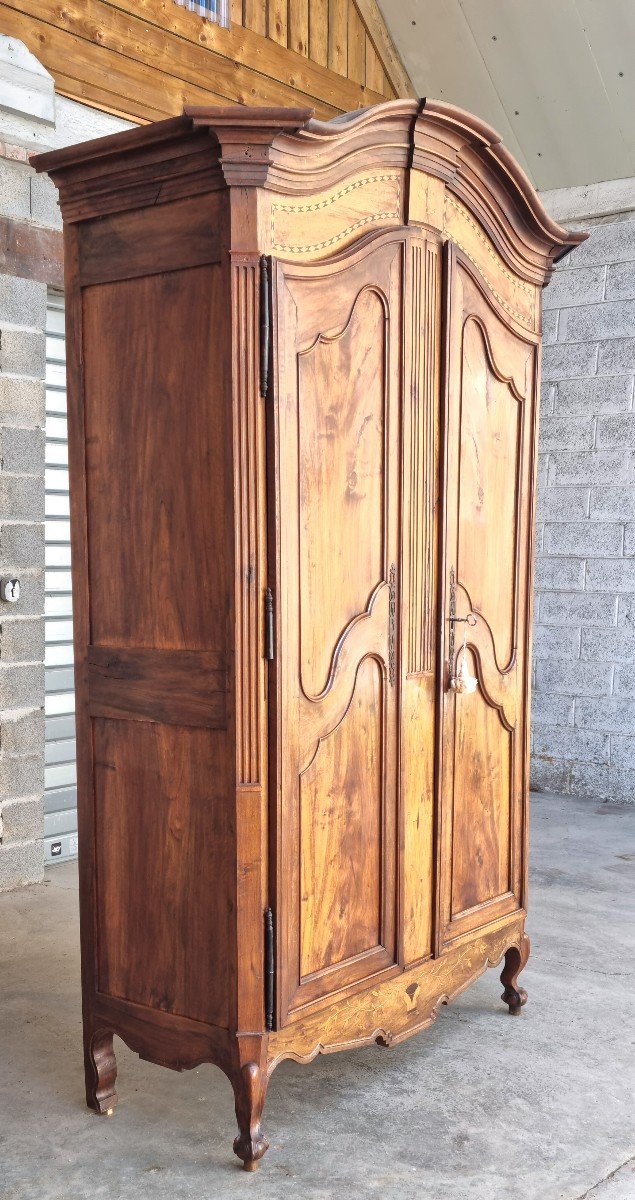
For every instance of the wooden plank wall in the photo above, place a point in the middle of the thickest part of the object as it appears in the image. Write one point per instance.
(145, 59)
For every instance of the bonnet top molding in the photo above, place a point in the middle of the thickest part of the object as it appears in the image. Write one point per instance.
(444, 141)
(289, 151)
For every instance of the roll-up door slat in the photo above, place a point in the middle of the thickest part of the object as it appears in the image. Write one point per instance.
(60, 801)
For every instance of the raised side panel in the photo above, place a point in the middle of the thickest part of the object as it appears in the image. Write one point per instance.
(149, 432)
(490, 400)
(163, 823)
(173, 687)
(155, 664)
(148, 241)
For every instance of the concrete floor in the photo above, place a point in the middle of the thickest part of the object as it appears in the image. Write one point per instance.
(480, 1107)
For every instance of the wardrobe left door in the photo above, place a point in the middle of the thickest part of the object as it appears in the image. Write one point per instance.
(152, 560)
(336, 410)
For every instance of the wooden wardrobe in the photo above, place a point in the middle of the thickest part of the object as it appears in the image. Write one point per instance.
(303, 369)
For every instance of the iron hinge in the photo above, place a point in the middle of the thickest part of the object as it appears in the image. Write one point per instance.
(269, 968)
(265, 325)
(269, 625)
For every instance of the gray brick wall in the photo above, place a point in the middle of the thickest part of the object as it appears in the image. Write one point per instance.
(583, 712)
(22, 359)
(22, 312)
(40, 120)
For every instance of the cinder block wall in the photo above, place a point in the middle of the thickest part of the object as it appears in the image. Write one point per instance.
(22, 320)
(31, 117)
(583, 711)
(27, 116)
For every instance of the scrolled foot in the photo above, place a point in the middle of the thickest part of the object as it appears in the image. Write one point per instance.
(101, 1073)
(515, 959)
(250, 1088)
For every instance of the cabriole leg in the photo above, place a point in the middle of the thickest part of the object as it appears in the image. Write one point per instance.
(250, 1089)
(515, 960)
(100, 1067)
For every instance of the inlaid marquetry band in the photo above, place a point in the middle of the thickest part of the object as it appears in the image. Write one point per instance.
(457, 221)
(370, 200)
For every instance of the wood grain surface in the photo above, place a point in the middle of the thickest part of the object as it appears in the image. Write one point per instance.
(381, 482)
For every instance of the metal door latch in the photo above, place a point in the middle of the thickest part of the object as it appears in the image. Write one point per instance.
(10, 590)
(460, 677)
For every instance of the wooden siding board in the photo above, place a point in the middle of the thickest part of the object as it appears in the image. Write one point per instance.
(144, 59)
(240, 47)
(374, 70)
(338, 36)
(255, 16)
(377, 30)
(100, 98)
(277, 21)
(135, 86)
(298, 35)
(356, 45)
(319, 32)
(188, 65)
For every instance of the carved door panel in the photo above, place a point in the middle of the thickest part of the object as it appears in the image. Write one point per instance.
(491, 371)
(337, 389)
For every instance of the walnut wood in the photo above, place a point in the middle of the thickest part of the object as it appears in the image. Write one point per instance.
(515, 960)
(489, 404)
(101, 1072)
(250, 1089)
(173, 687)
(342, 783)
(130, 244)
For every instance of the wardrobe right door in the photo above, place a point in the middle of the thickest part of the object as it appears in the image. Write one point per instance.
(491, 371)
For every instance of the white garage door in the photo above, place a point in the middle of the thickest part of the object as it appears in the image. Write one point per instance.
(60, 823)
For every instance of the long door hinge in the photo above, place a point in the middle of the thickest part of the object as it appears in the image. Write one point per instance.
(269, 625)
(265, 325)
(269, 968)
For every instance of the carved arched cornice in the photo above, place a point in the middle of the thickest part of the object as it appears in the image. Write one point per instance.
(288, 151)
(322, 153)
(470, 157)
(441, 140)
(301, 155)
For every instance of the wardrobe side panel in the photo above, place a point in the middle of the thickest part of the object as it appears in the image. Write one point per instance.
(156, 658)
